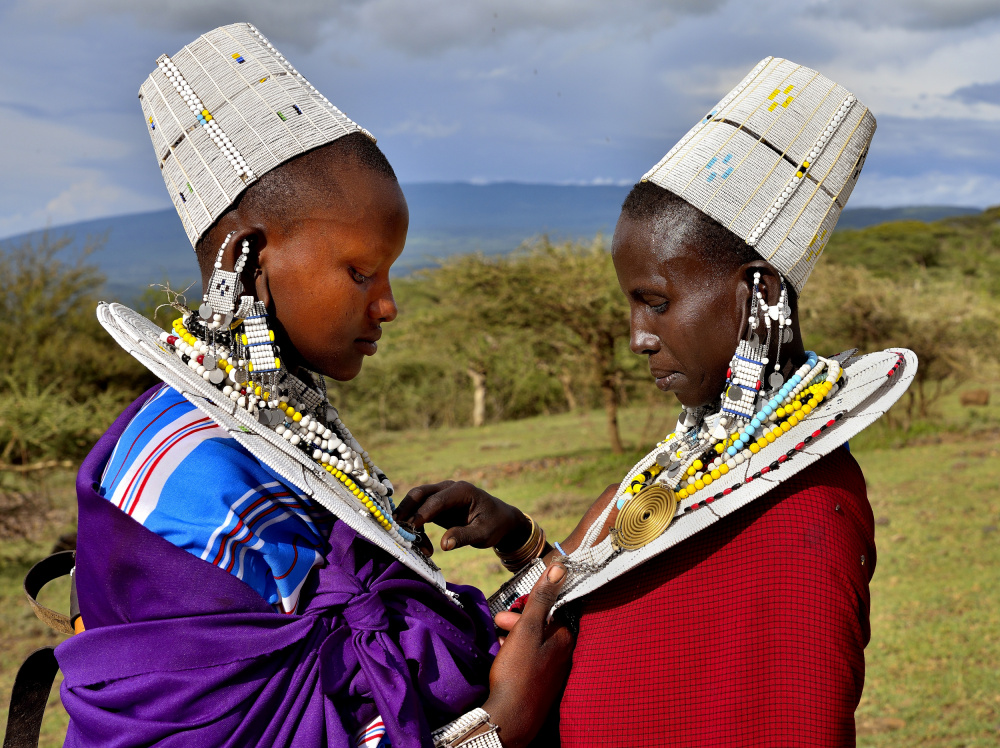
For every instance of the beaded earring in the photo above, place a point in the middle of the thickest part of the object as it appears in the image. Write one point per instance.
(743, 379)
(780, 315)
(259, 365)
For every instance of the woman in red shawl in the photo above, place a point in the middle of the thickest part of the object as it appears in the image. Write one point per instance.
(721, 590)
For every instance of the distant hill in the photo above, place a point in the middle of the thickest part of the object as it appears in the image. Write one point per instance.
(445, 219)
(859, 218)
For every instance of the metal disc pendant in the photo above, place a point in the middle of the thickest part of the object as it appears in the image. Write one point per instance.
(209, 361)
(205, 311)
(786, 335)
(644, 517)
(776, 380)
(734, 393)
(215, 376)
(241, 376)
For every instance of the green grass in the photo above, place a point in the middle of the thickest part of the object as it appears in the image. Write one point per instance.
(934, 658)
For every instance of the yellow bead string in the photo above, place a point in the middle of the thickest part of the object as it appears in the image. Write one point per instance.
(793, 413)
(296, 416)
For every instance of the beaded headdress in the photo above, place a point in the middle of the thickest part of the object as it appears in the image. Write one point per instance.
(223, 111)
(774, 162)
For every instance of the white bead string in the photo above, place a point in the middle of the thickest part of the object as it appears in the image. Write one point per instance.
(302, 79)
(205, 118)
(331, 442)
(793, 184)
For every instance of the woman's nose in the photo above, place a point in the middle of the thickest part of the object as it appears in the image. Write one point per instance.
(641, 340)
(383, 308)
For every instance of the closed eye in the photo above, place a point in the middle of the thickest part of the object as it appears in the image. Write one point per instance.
(656, 303)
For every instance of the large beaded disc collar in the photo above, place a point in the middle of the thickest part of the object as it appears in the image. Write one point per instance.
(867, 387)
(359, 505)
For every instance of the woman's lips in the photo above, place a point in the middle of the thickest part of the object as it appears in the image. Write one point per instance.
(666, 381)
(367, 347)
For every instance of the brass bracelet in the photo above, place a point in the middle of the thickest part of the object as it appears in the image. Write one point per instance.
(531, 549)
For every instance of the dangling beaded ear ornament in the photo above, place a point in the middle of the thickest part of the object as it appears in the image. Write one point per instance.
(743, 380)
(229, 343)
(781, 315)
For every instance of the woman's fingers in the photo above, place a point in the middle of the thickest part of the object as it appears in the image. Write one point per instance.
(416, 496)
(543, 596)
(479, 533)
(451, 497)
(506, 619)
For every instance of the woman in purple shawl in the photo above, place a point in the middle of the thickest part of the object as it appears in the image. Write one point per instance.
(223, 604)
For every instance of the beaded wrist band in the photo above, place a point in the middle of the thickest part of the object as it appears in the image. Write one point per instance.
(520, 584)
(489, 739)
(452, 735)
(532, 548)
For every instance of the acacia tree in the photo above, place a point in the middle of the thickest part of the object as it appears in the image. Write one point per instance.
(950, 327)
(456, 313)
(574, 286)
(63, 378)
(560, 297)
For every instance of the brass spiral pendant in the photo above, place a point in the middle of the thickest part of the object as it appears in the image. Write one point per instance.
(644, 517)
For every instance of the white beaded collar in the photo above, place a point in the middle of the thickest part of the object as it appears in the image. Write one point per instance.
(141, 338)
(871, 384)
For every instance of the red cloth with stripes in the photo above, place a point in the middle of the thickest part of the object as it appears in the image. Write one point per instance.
(750, 633)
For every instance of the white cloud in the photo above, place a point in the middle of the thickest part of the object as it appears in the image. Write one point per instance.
(423, 127)
(914, 73)
(60, 174)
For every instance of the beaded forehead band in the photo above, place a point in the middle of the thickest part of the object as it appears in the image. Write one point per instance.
(223, 111)
(774, 162)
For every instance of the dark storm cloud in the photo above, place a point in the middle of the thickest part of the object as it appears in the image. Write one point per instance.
(979, 93)
(913, 14)
(420, 28)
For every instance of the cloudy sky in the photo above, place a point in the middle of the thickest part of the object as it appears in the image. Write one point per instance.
(565, 91)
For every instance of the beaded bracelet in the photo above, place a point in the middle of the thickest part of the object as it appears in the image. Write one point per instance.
(452, 735)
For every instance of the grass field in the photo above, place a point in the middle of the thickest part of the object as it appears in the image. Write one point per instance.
(934, 658)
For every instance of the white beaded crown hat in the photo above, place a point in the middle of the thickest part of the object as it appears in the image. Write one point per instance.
(774, 162)
(223, 111)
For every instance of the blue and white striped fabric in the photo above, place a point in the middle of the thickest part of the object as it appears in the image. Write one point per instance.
(373, 735)
(179, 474)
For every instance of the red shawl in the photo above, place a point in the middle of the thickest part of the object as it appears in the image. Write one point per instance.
(751, 633)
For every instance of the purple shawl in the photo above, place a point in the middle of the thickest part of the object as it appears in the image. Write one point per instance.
(180, 652)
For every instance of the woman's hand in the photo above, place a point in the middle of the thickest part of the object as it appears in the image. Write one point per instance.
(472, 516)
(531, 669)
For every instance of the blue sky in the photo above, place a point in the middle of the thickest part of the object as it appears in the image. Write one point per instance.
(564, 91)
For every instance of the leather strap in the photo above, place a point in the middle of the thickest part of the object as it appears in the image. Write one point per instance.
(28, 698)
(49, 568)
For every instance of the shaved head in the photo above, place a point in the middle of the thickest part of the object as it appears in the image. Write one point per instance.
(281, 195)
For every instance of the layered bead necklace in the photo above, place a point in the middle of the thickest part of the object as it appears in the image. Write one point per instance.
(688, 466)
(706, 445)
(295, 411)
